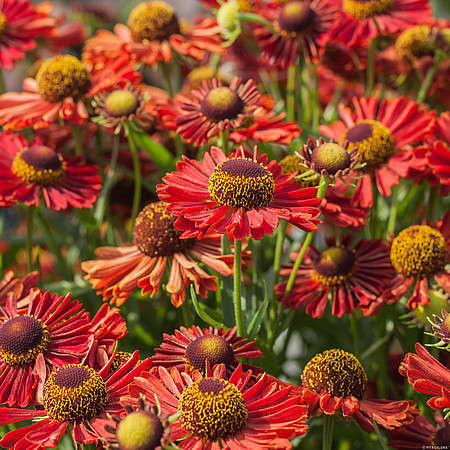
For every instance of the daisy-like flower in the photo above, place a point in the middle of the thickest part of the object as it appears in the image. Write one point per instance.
(153, 34)
(244, 197)
(216, 408)
(189, 348)
(419, 254)
(351, 276)
(28, 172)
(107, 327)
(335, 380)
(441, 329)
(361, 20)
(214, 108)
(382, 133)
(75, 397)
(18, 287)
(141, 429)
(20, 24)
(50, 332)
(118, 271)
(428, 375)
(299, 27)
(57, 93)
(420, 434)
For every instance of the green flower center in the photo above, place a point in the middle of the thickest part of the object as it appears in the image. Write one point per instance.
(139, 430)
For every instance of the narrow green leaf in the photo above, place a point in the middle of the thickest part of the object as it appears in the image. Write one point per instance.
(380, 436)
(255, 324)
(201, 312)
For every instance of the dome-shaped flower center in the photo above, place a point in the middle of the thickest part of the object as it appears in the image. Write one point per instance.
(420, 251)
(373, 140)
(212, 408)
(415, 42)
(139, 430)
(155, 21)
(296, 17)
(334, 266)
(22, 338)
(293, 163)
(154, 232)
(118, 360)
(62, 76)
(3, 22)
(337, 373)
(241, 183)
(212, 347)
(441, 438)
(331, 158)
(39, 165)
(74, 392)
(221, 103)
(363, 9)
(121, 103)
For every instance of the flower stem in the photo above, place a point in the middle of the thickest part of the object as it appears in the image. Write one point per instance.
(2, 83)
(250, 17)
(316, 102)
(30, 217)
(78, 140)
(290, 92)
(328, 427)
(166, 77)
(323, 186)
(371, 66)
(422, 94)
(102, 200)
(237, 287)
(392, 212)
(137, 175)
(281, 233)
(224, 140)
(355, 332)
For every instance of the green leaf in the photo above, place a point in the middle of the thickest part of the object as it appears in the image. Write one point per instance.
(157, 152)
(380, 436)
(201, 311)
(255, 324)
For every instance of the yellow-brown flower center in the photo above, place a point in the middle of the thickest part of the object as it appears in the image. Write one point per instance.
(39, 165)
(363, 9)
(22, 338)
(212, 347)
(415, 42)
(62, 76)
(293, 163)
(331, 158)
(295, 17)
(154, 21)
(212, 408)
(3, 22)
(337, 373)
(334, 266)
(118, 360)
(139, 430)
(155, 234)
(121, 103)
(74, 392)
(373, 140)
(241, 183)
(221, 103)
(419, 250)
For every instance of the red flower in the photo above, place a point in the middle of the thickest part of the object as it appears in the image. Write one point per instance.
(299, 27)
(439, 151)
(153, 34)
(119, 271)
(382, 132)
(16, 287)
(360, 21)
(428, 375)
(50, 332)
(260, 416)
(107, 327)
(335, 380)
(20, 24)
(61, 84)
(189, 348)
(26, 172)
(76, 397)
(236, 195)
(350, 277)
(420, 253)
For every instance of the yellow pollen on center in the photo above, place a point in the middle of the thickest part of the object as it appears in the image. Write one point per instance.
(363, 9)
(221, 97)
(415, 42)
(3, 22)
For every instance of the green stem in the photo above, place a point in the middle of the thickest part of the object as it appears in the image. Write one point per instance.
(281, 233)
(374, 210)
(328, 427)
(422, 94)
(102, 200)
(30, 217)
(316, 102)
(2, 83)
(321, 192)
(392, 212)
(250, 17)
(371, 66)
(224, 140)
(237, 287)
(355, 332)
(165, 73)
(137, 175)
(78, 140)
(290, 92)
